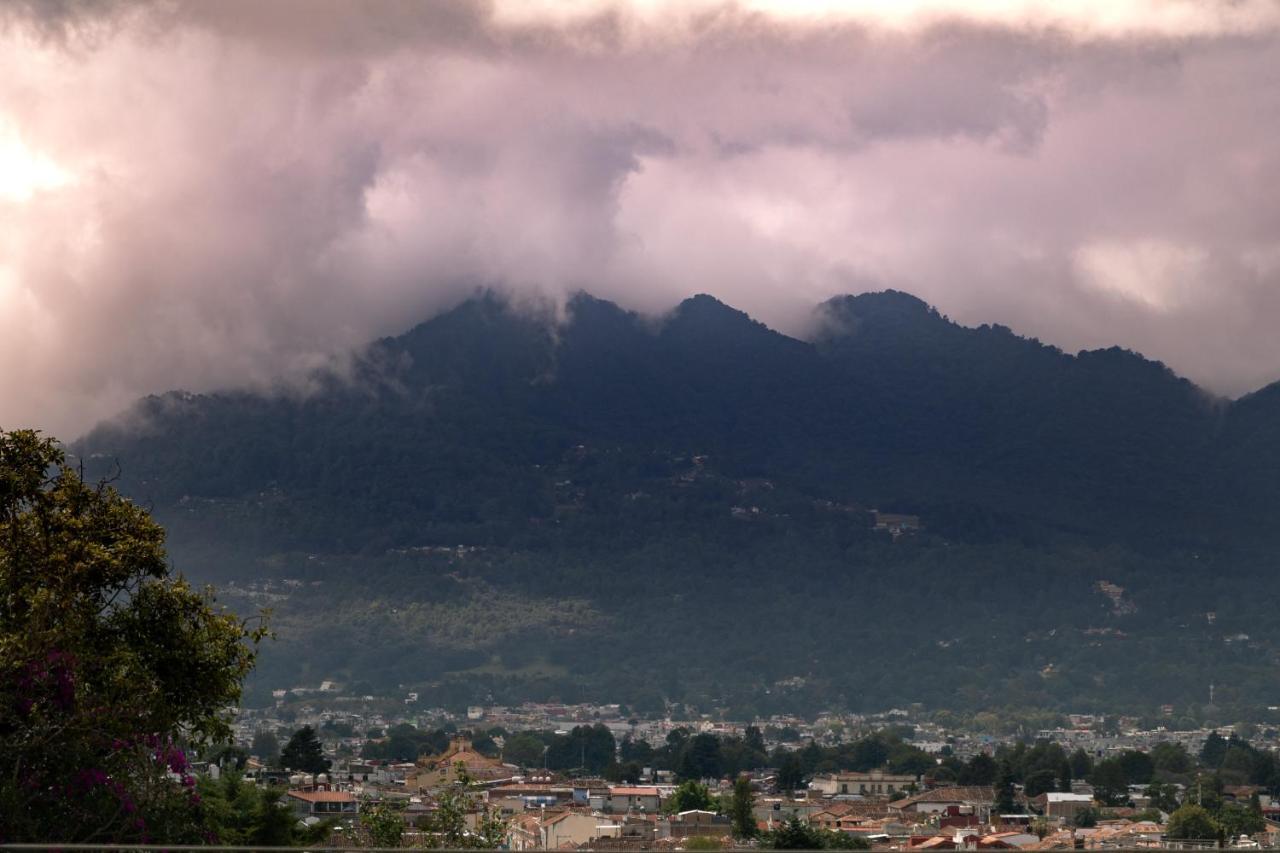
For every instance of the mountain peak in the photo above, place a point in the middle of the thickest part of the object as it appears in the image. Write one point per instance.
(704, 305)
(880, 317)
(881, 306)
(705, 316)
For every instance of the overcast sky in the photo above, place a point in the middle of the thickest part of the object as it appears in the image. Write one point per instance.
(207, 194)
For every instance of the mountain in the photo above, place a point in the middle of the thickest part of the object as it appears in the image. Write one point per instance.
(502, 504)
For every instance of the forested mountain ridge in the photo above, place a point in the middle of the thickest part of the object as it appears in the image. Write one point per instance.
(609, 478)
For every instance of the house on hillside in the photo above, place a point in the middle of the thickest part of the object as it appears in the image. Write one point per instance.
(895, 524)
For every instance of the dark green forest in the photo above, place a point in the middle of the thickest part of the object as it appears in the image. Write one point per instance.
(498, 505)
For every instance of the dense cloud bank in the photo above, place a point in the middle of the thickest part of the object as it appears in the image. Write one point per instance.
(205, 194)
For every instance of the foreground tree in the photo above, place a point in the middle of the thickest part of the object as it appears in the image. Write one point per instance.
(460, 823)
(109, 665)
(237, 812)
(383, 821)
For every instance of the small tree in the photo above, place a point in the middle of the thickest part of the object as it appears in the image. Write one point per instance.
(384, 822)
(690, 795)
(790, 772)
(980, 770)
(1005, 803)
(1163, 797)
(740, 809)
(795, 834)
(274, 824)
(1085, 818)
(449, 821)
(304, 752)
(1039, 782)
(266, 747)
(1192, 822)
(1236, 820)
(1110, 782)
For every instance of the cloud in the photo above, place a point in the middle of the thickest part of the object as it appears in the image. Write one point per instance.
(245, 189)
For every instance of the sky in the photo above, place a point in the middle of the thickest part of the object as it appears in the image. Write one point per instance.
(203, 195)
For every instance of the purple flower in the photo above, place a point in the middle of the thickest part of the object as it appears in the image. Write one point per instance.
(176, 759)
(90, 778)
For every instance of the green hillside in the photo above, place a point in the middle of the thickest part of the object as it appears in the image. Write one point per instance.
(495, 504)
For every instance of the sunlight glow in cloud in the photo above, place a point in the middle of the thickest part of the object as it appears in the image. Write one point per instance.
(24, 172)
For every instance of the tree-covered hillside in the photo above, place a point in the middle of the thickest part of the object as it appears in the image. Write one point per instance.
(502, 503)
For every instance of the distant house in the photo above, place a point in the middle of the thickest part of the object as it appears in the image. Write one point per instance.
(441, 770)
(570, 829)
(1059, 804)
(1010, 838)
(322, 804)
(962, 840)
(699, 822)
(875, 783)
(524, 832)
(620, 799)
(771, 812)
(976, 800)
(512, 799)
(894, 523)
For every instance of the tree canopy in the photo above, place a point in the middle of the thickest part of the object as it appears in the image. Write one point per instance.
(110, 666)
(304, 752)
(1192, 822)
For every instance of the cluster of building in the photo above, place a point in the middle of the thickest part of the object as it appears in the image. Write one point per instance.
(541, 810)
(544, 811)
(327, 702)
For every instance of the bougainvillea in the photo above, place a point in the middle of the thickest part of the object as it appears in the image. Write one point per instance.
(110, 667)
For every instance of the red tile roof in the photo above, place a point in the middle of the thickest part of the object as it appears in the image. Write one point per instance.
(324, 796)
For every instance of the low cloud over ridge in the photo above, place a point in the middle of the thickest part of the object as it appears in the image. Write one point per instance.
(208, 194)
